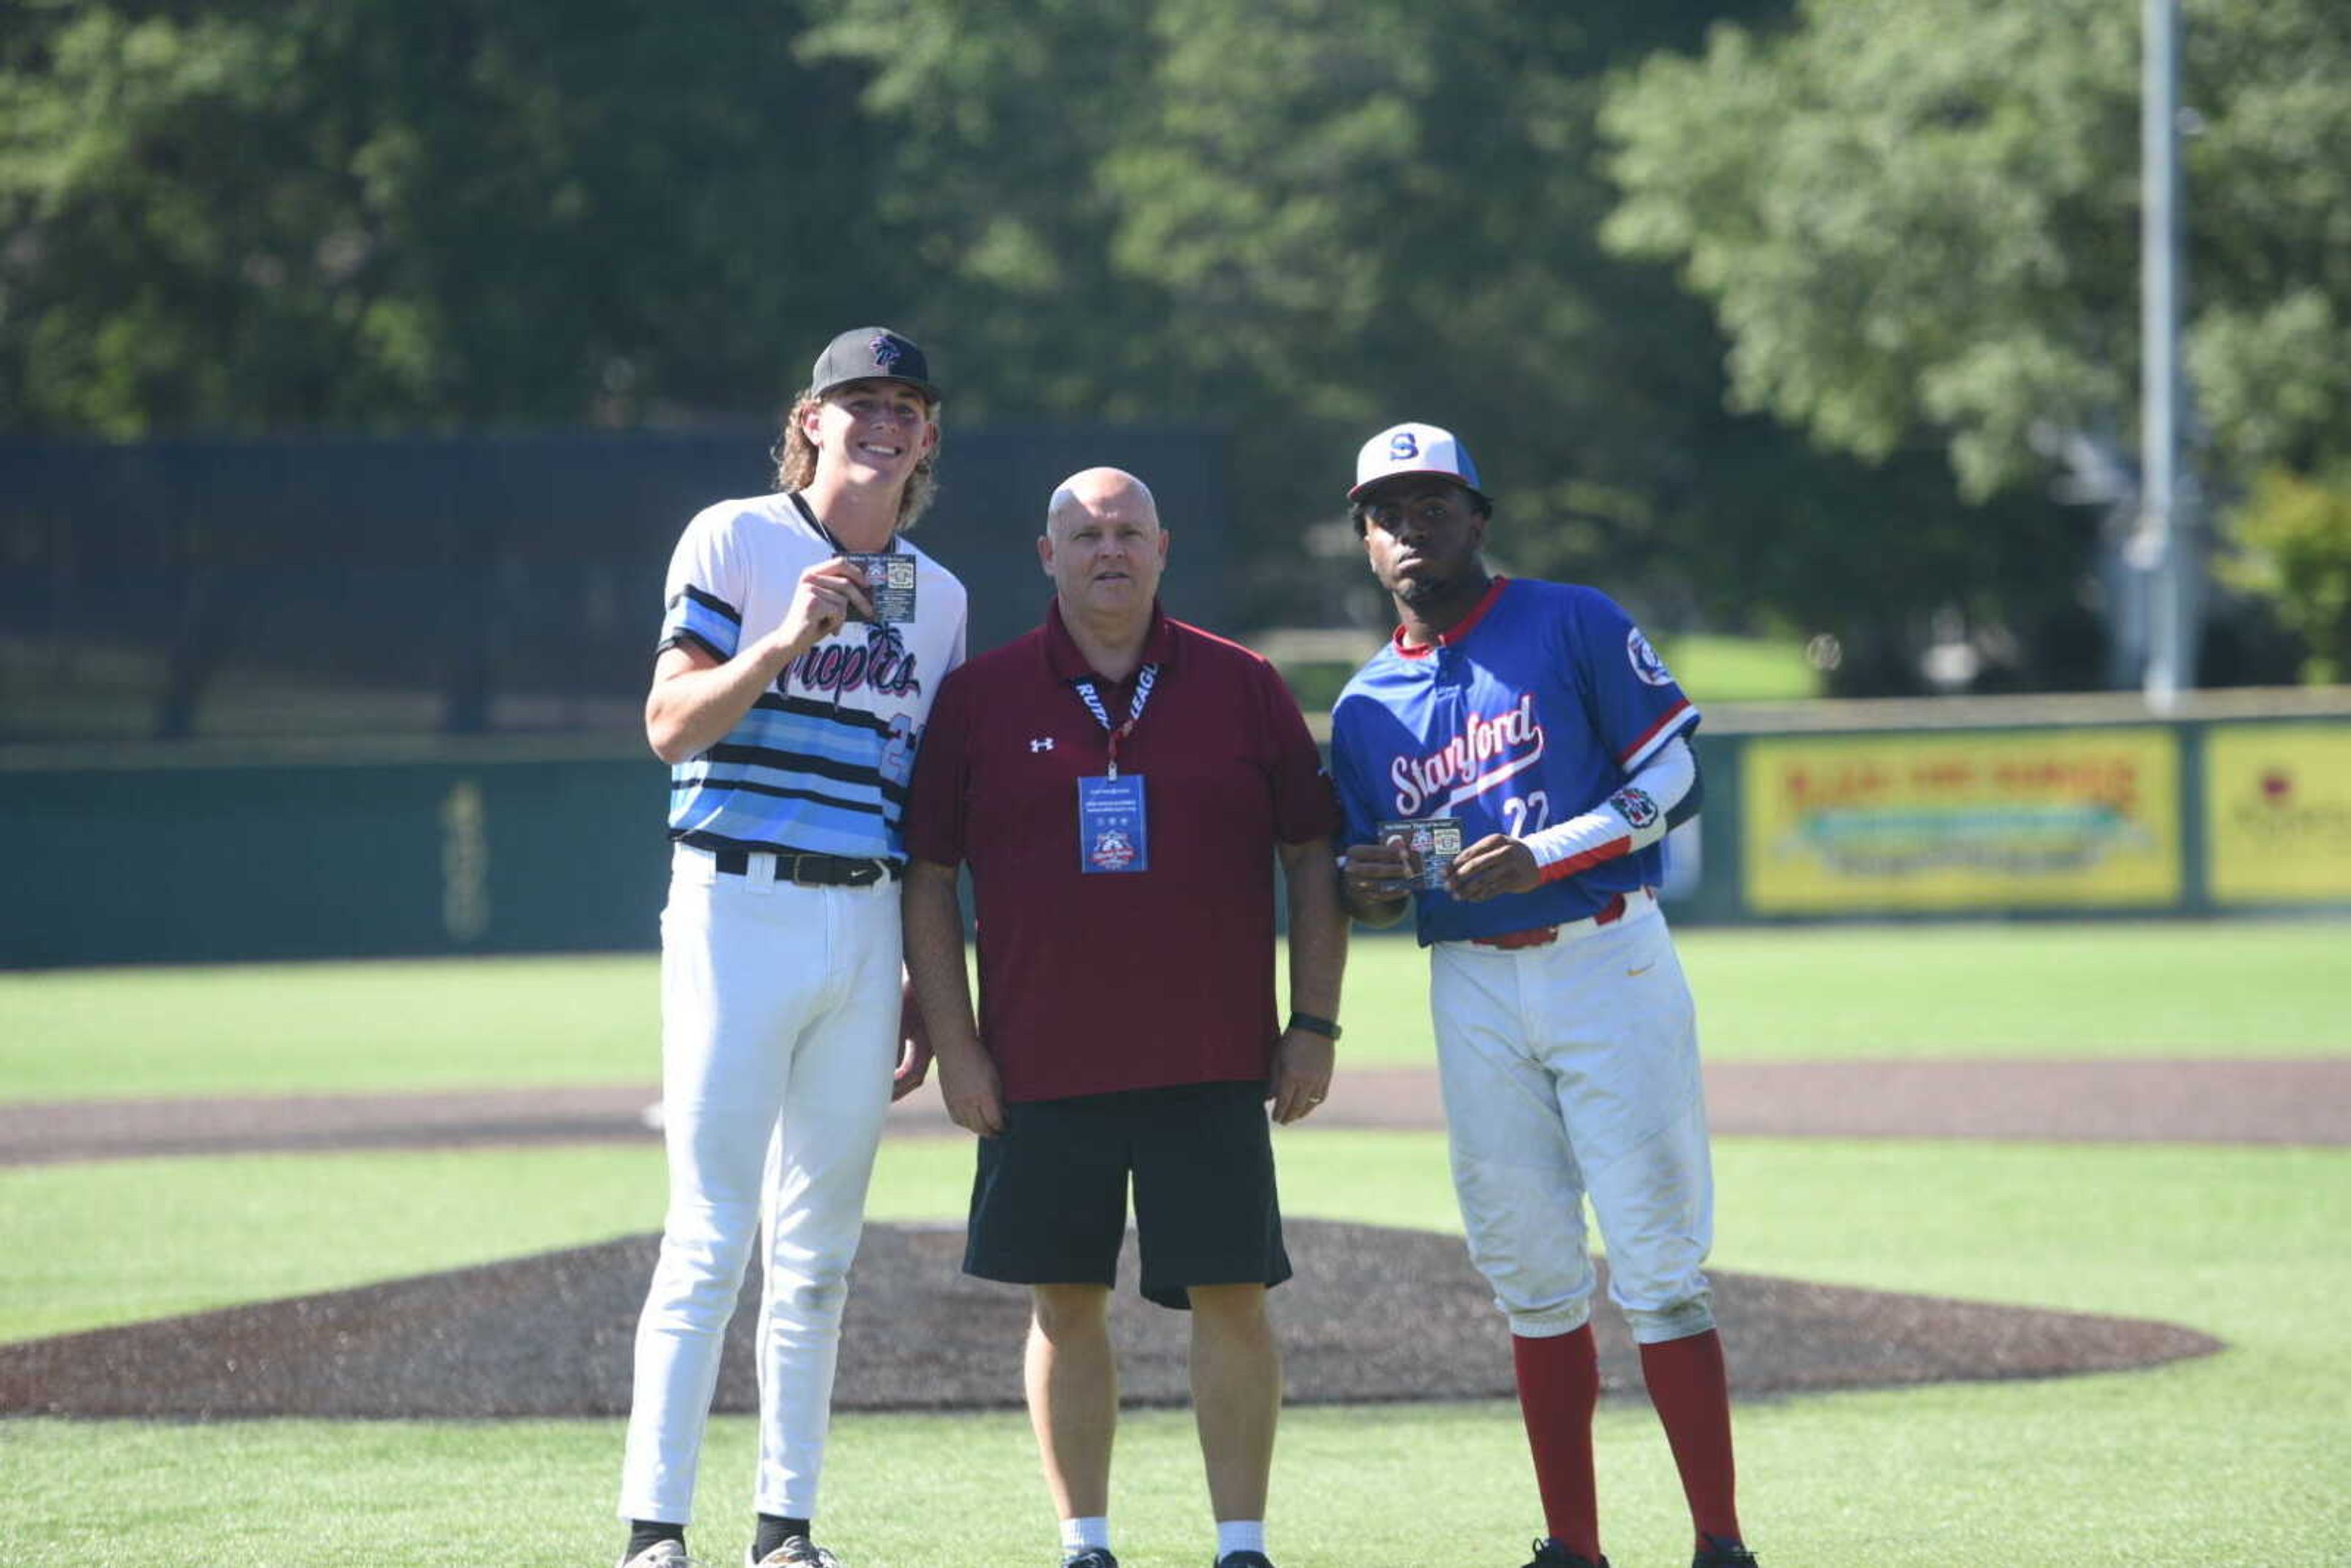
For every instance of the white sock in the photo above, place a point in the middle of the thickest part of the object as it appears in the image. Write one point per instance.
(1079, 1535)
(1239, 1535)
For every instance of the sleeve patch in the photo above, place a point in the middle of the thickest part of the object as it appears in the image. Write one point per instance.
(1645, 661)
(1635, 805)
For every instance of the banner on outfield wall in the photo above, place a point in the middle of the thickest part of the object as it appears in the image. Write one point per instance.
(1962, 821)
(2277, 813)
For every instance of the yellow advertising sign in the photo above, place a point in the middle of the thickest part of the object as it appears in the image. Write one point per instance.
(2277, 812)
(1980, 820)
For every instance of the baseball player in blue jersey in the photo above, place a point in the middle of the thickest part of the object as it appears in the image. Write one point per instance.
(1509, 764)
(803, 643)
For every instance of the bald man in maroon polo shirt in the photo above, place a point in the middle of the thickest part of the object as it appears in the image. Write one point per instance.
(1122, 786)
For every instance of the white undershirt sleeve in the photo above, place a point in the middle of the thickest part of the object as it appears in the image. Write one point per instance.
(1634, 818)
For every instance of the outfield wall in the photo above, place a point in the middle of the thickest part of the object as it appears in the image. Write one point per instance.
(1830, 811)
(2079, 805)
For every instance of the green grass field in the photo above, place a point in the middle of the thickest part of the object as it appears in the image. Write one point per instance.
(2237, 1459)
(2172, 989)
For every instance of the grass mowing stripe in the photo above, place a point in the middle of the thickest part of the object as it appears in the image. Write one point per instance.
(2216, 988)
(93, 1245)
(285, 1028)
(2245, 988)
(2095, 1471)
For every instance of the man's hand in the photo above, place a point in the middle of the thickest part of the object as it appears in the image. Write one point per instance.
(1496, 864)
(914, 1048)
(973, 1092)
(1376, 880)
(1301, 1075)
(827, 595)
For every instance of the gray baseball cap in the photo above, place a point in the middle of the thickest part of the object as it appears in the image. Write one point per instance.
(873, 353)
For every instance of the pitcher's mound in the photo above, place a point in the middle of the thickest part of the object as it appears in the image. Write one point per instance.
(1373, 1314)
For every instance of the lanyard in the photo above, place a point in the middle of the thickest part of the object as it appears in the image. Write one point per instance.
(817, 523)
(1118, 732)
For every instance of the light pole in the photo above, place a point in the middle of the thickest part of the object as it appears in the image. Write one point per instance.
(2169, 543)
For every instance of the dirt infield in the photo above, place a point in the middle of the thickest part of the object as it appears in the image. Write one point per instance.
(1373, 1314)
(2287, 1102)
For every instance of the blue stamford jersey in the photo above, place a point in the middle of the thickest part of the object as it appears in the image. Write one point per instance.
(820, 763)
(1535, 709)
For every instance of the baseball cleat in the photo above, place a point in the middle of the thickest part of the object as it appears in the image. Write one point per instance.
(1549, 1554)
(661, 1554)
(1091, 1557)
(1243, 1560)
(797, 1551)
(1714, 1552)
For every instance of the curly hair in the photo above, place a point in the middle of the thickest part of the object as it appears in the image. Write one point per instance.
(794, 456)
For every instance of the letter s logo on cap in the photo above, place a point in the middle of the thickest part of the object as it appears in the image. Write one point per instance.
(1404, 445)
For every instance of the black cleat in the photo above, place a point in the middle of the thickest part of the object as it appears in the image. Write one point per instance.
(1714, 1552)
(1549, 1554)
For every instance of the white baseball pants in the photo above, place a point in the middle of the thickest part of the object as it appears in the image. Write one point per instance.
(1569, 1069)
(779, 1036)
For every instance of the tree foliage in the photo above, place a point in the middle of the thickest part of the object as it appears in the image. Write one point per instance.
(2294, 539)
(1314, 220)
(1921, 223)
(1300, 219)
(395, 214)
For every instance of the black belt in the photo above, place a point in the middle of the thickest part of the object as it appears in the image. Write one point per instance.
(811, 870)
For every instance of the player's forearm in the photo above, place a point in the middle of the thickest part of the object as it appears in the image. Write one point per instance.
(1318, 929)
(934, 961)
(1649, 805)
(694, 702)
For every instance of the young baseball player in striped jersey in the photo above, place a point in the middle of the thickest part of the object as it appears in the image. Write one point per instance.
(1509, 764)
(803, 644)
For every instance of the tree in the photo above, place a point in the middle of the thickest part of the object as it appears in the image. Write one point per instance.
(2293, 536)
(1921, 223)
(1311, 220)
(403, 213)
(1299, 219)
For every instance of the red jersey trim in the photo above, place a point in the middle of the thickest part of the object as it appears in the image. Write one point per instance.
(1674, 715)
(1615, 849)
(1469, 623)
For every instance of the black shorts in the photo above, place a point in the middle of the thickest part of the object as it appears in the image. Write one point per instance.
(1049, 1199)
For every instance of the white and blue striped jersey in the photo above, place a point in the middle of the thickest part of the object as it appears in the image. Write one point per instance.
(820, 764)
(1536, 708)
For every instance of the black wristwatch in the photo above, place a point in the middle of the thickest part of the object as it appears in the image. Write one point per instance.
(1314, 1025)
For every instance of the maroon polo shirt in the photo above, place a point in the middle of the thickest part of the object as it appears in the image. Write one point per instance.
(1139, 980)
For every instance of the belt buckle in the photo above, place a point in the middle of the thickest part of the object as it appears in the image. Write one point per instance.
(799, 876)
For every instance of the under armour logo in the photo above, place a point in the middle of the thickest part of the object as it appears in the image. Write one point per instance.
(1041, 743)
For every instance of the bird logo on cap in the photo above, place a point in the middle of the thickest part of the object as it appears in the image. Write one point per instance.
(887, 352)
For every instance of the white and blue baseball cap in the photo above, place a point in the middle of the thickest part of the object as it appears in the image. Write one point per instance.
(1405, 449)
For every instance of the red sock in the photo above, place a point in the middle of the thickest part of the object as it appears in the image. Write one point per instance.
(1559, 1387)
(1691, 1390)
